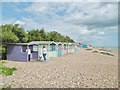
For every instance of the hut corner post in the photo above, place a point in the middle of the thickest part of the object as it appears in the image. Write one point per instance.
(48, 51)
(27, 52)
(38, 51)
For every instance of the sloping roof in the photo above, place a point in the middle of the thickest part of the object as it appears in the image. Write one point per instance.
(44, 42)
(52, 42)
(18, 44)
(39, 42)
(58, 43)
(71, 43)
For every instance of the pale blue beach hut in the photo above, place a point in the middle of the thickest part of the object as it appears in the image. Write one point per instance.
(71, 48)
(39, 47)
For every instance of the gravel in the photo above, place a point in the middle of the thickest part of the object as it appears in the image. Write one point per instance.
(83, 69)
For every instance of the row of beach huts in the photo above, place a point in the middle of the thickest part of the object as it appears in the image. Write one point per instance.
(18, 51)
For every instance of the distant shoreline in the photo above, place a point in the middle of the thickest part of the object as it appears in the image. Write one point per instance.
(112, 48)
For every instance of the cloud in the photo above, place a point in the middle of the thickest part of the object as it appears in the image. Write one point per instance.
(29, 23)
(101, 33)
(87, 22)
(8, 21)
(60, 1)
(25, 22)
(93, 14)
(19, 22)
(38, 8)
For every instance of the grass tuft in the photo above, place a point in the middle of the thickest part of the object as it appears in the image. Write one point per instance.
(9, 87)
(6, 70)
(106, 53)
(95, 51)
(3, 61)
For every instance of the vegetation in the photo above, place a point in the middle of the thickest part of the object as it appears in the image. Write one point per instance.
(16, 34)
(95, 51)
(89, 49)
(107, 53)
(6, 70)
(2, 62)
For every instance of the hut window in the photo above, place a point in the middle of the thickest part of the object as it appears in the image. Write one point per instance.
(35, 47)
(24, 47)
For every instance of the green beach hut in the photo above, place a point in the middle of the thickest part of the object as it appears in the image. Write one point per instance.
(53, 49)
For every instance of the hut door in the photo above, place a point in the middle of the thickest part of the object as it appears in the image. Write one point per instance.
(52, 46)
(28, 57)
(59, 50)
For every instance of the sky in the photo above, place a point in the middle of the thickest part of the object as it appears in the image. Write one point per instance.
(94, 23)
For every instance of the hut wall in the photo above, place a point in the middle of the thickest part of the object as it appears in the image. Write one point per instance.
(15, 53)
(71, 49)
(76, 49)
(53, 54)
(34, 55)
(64, 52)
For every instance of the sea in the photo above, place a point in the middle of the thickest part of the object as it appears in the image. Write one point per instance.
(112, 47)
(109, 47)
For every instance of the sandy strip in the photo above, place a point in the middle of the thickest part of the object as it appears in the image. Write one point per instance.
(83, 69)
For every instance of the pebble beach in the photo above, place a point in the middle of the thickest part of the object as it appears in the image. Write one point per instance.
(83, 69)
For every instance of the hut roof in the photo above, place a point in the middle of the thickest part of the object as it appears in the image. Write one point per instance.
(44, 42)
(71, 43)
(39, 42)
(18, 43)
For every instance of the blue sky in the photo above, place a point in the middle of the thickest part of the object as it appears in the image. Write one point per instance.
(92, 23)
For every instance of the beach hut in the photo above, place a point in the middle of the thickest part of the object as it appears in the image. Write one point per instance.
(84, 46)
(18, 52)
(71, 48)
(53, 50)
(77, 47)
(59, 49)
(64, 50)
(39, 47)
